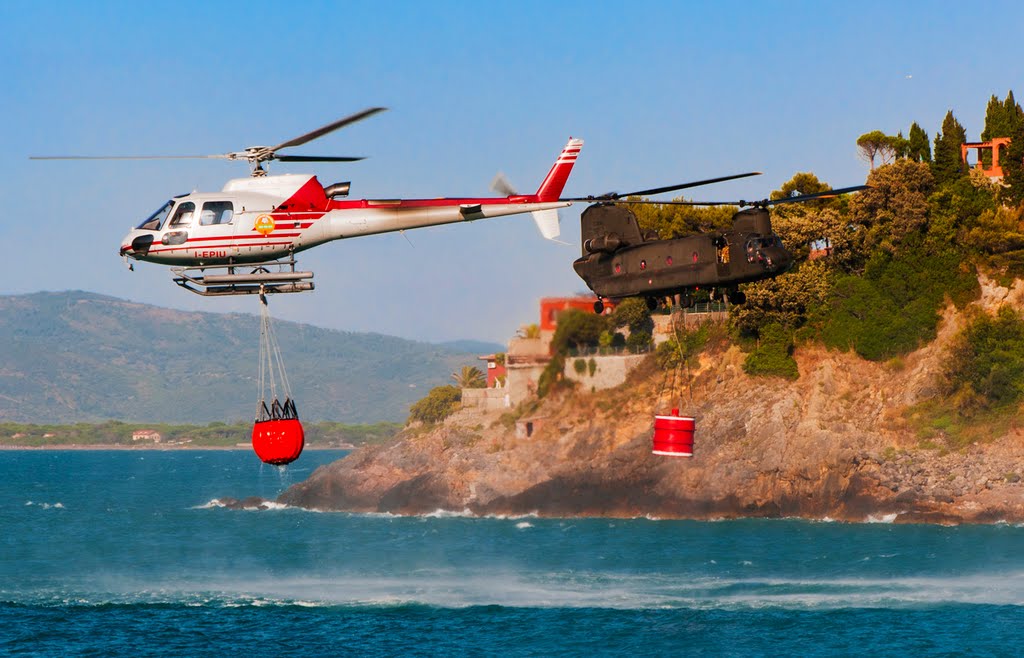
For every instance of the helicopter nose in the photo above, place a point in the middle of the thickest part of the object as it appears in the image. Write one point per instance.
(138, 247)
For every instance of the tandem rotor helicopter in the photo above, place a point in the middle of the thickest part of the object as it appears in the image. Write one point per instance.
(243, 239)
(620, 261)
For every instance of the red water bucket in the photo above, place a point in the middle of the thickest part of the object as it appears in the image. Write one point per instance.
(278, 441)
(673, 435)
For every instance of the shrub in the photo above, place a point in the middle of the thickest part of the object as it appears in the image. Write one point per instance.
(682, 348)
(577, 329)
(580, 366)
(773, 355)
(894, 307)
(986, 365)
(438, 404)
(638, 341)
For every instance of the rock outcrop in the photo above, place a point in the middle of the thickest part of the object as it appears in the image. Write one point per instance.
(832, 444)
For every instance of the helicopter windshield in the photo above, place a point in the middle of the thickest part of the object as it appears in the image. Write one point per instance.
(155, 220)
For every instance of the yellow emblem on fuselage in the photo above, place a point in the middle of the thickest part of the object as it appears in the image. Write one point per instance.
(264, 225)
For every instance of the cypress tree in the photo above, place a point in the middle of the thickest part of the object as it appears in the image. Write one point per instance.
(918, 148)
(994, 123)
(948, 166)
(1012, 114)
(1012, 162)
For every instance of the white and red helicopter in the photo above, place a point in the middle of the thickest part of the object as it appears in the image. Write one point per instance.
(243, 239)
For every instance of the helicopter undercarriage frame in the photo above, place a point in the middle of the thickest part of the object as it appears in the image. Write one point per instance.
(273, 276)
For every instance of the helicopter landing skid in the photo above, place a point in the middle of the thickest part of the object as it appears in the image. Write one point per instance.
(276, 276)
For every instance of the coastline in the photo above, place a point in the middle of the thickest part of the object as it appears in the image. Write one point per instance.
(152, 448)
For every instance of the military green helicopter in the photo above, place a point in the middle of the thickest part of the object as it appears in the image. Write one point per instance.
(619, 260)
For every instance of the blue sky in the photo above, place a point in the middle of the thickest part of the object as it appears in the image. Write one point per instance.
(661, 92)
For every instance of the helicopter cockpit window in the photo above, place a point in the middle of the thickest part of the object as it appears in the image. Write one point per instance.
(183, 214)
(216, 212)
(154, 221)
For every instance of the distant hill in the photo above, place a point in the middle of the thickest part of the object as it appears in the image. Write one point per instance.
(77, 356)
(478, 347)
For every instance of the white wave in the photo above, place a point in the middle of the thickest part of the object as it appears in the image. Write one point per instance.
(884, 518)
(446, 514)
(456, 588)
(522, 525)
(262, 506)
(57, 505)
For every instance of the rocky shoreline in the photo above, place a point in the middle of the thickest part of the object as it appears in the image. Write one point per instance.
(834, 444)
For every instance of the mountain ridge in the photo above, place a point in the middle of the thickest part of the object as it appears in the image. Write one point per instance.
(76, 356)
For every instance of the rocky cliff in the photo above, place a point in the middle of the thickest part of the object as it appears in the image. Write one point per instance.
(832, 444)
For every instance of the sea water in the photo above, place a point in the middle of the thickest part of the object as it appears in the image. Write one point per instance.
(132, 553)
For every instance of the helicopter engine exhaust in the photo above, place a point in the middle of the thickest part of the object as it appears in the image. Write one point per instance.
(338, 189)
(605, 243)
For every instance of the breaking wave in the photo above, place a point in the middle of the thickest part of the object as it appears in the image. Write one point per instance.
(552, 590)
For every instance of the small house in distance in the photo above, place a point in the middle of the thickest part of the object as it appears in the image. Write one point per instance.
(147, 435)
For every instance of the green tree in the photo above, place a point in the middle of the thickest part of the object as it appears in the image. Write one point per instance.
(1012, 163)
(918, 148)
(577, 329)
(896, 204)
(1002, 118)
(773, 355)
(894, 306)
(986, 364)
(802, 183)
(470, 377)
(948, 164)
(956, 207)
(876, 144)
(438, 404)
(785, 300)
(633, 313)
(679, 221)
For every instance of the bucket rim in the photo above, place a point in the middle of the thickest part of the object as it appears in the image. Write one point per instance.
(664, 417)
(667, 453)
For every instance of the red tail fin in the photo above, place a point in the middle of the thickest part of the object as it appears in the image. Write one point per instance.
(553, 183)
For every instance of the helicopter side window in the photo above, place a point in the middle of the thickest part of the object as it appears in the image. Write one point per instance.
(216, 212)
(183, 214)
(154, 221)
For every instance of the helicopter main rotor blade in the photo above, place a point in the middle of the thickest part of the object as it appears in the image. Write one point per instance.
(331, 127)
(317, 158)
(615, 196)
(127, 157)
(828, 194)
(672, 188)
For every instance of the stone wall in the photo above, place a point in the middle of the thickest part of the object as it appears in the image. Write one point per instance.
(609, 371)
(486, 398)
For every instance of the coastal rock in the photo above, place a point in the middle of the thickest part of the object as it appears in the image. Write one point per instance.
(832, 444)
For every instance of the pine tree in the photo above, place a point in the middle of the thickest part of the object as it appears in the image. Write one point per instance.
(919, 149)
(948, 165)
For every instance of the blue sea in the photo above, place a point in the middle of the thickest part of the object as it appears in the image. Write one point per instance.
(131, 553)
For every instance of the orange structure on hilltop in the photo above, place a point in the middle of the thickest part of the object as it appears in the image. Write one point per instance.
(995, 146)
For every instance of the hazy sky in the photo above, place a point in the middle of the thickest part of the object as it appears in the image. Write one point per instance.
(661, 92)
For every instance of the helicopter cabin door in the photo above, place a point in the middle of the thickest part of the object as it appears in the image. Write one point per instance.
(723, 256)
(213, 229)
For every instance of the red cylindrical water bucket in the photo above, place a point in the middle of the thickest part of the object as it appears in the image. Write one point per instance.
(673, 435)
(278, 441)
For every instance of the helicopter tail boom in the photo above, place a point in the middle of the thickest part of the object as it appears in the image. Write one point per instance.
(551, 188)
